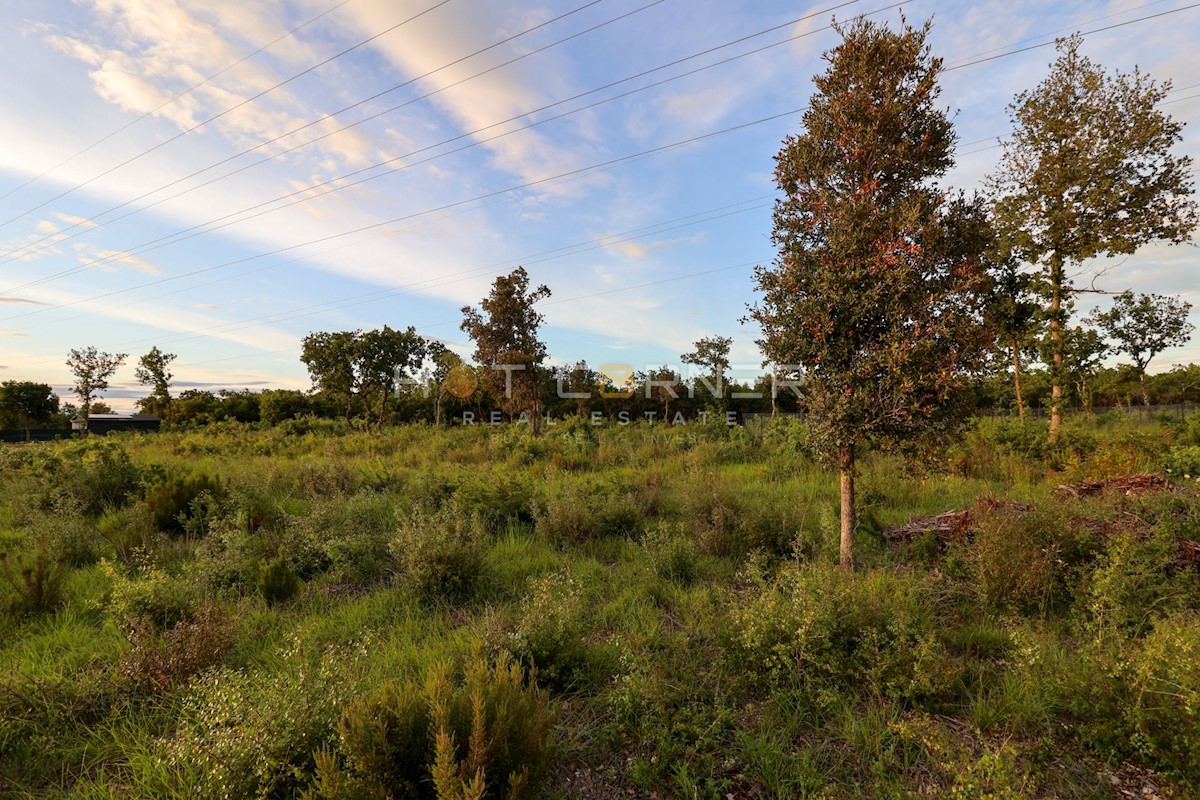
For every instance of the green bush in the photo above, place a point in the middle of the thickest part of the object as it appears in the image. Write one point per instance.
(170, 502)
(551, 635)
(1182, 463)
(816, 627)
(1137, 581)
(253, 734)
(439, 554)
(486, 736)
(1030, 562)
(1164, 684)
(95, 475)
(35, 579)
(150, 594)
(672, 552)
(276, 581)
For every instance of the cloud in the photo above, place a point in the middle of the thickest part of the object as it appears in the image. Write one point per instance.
(21, 301)
(206, 306)
(12, 333)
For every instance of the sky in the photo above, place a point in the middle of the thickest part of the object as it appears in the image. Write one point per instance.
(220, 178)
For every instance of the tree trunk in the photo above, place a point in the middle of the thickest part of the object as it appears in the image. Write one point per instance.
(1017, 378)
(848, 520)
(1056, 344)
(1145, 394)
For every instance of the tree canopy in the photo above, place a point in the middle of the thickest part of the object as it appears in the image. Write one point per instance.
(880, 282)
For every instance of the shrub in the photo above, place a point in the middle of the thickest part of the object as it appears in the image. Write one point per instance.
(1182, 463)
(95, 475)
(1135, 582)
(150, 595)
(550, 635)
(486, 736)
(276, 581)
(439, 554)
(158, 661)
(1030, 562)
(1164, 678)
(241, 734)
(820, 628)
(169, 502)
(672, 553)
(36, 580)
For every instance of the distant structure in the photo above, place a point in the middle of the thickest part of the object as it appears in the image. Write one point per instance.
(106, 423)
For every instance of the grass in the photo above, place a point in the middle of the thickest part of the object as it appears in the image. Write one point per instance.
(672, 589)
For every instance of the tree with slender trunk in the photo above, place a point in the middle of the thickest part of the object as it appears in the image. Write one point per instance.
(505, 332)
(153, 370)
(27, 403)
(92, 368)
(712, 356)
(1144, 325)
(1014, 314)
(1088, 172)
(881, 281)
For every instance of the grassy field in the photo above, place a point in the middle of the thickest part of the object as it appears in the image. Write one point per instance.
(598, 612)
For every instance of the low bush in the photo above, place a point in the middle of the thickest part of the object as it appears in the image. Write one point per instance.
(1164, 707)
(484, 736)
(672, 552)
(169, 502)
(439, 554)
(1030, 562)
(36, 580)
(148, 595)
(158, 660)
(551, 635)
(816, 627)
(276, 581)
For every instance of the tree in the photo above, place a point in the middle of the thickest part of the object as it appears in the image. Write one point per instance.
(153, 370)
(1088, 172)
(878, 290)
(1084, 350)
(28, 403)
(712, 355)
(330, 361)
(92, 368)
(381, 357)
(505, 332)
(1014, 315)
(1144, 325)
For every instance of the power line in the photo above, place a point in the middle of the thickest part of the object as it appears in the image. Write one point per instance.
(182, 94)
(1082, 33)
(338, 183)
(57, 239)
(234, 107)
(25, 249)
(458, 203)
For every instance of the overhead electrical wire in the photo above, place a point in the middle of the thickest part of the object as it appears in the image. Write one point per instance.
(51, 240)
(176, 97)
(338, 184)
(645, 153)
(232, 108)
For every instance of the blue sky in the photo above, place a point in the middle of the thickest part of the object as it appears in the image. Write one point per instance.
(644, 254)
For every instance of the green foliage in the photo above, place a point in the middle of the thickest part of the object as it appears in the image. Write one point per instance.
(1031, 562)
(1164, 712)
(36, 580)
(169, 502)
(551, 635)
(487, 735)
(148, 595)
(253, 734)
(276, 581)
(439, 554)
(821, 629)
(673, 554)
(1183, 463)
